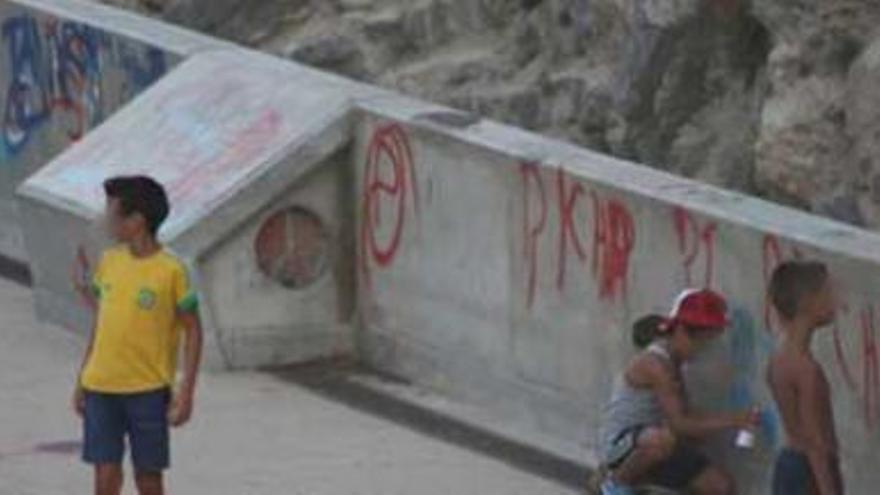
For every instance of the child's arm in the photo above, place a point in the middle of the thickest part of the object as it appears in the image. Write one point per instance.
(182, 407)
(78, 401)
(679, 419)
(83, 281)
(811, 395)
(84, 285)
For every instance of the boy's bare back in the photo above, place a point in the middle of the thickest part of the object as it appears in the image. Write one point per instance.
(804, 297)
(802, 394)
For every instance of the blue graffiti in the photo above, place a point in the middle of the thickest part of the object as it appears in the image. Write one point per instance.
(745, 342)
(770, 425)
(57, 67)
(59, 70)
(27, 103)
(75, 54)
(144, 70)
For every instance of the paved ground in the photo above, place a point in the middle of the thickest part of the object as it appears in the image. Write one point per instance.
(253, 434)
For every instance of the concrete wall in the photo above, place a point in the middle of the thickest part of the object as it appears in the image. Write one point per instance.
(66, 67)
(292, 276)
(492, 265)
(258, 209)
(505, 270)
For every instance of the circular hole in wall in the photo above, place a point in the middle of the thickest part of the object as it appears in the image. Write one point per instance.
(292, 248)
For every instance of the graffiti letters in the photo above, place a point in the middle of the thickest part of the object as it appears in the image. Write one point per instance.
(870, 369)
(143, 68)
(696, 243)
(613, 242)
(389, 184)
(27, 104)
(533, 225)
(600, 232)
(568, 232)
(55, 70)
(855, 342)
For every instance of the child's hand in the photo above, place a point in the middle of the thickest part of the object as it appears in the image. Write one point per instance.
(78, 402)
(181, 409)
(81, 271)
(755, 415)
(749, 420)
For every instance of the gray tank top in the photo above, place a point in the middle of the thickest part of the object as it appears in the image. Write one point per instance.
(630, 407)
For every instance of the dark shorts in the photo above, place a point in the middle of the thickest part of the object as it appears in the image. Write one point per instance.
(792, 474)
(141, 418)
(677, 472)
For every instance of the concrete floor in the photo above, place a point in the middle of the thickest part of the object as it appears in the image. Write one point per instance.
(253, 433)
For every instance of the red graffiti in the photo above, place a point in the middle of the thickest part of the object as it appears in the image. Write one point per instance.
(695, 240)
(845, 369)
(531, 175)
(568, 197)
(389, 154)
(613, 242)
(867, 389)
(612, 229)
(870, 370)
(244, 147)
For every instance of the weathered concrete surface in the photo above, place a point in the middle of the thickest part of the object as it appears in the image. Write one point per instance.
(251, 433)
(486, 263)
(750, 95)
(66, 67)
(229, 146)
(505, 270)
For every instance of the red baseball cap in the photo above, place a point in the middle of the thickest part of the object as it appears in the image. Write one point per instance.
(699, 308)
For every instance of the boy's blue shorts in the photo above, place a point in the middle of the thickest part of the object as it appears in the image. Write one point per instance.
(141, 418)
(792, 474)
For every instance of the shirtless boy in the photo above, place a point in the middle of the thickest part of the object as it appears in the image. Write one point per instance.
(803, 297)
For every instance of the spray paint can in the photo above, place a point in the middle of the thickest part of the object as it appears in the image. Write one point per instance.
(745, 439)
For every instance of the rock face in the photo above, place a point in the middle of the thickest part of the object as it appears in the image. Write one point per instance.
(771, 97)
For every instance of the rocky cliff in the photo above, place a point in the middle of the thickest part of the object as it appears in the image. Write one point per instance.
(772, 97)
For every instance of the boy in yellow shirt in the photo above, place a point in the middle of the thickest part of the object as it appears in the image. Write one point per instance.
(142, 299)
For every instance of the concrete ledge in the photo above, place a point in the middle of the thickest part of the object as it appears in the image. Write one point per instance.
(730, 207)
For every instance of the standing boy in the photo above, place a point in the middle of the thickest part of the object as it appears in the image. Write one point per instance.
(142, 299)
(804, 299)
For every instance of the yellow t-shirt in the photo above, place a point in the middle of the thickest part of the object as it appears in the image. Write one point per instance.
(138, 327)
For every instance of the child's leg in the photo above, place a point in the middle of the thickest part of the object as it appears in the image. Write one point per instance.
(685, 469)
(714, 481)
(792, 474)
(108, 479)
(148, 435)
(149, 483)
(103, 446)
(653, 446)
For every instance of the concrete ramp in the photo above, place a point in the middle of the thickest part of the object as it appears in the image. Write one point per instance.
(229, 137)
